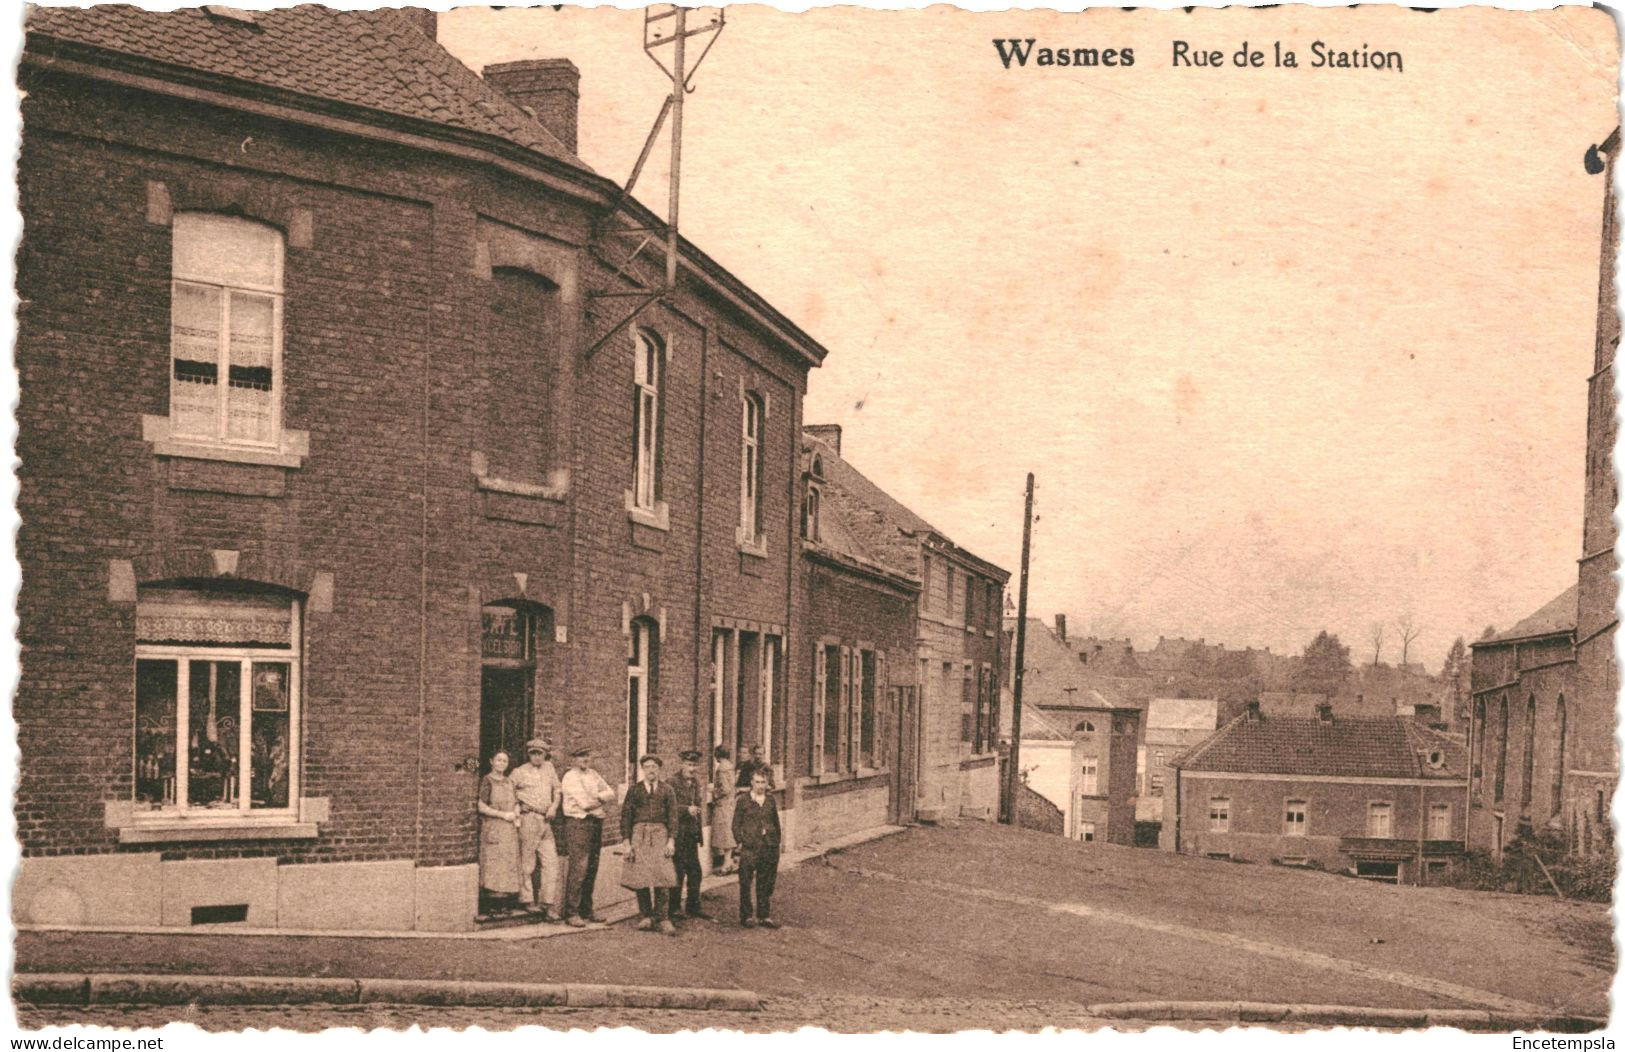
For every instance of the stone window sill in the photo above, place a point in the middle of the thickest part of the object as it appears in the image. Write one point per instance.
(837, 777)
(291, 453)
(181, 830)
(556, 488)
(749, 545)
(656, 518)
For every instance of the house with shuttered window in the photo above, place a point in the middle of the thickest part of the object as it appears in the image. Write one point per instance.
(902, 623)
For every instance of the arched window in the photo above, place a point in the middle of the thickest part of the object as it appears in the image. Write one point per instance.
(752, 414)
(642, 674)
(216, 682)
(648, 372)
(225, 330)
(1479, 729)
(1501, 753)
(1560, 754)
(1527, 790)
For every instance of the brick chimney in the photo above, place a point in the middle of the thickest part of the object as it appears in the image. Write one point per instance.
(1060, 626)
(427, 22)
(829, 434)
(548, 88)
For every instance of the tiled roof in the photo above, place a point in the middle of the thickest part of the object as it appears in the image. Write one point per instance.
(844, 522)
(872, 520)
(1555, 617)
(373, 59)
(1353, 747)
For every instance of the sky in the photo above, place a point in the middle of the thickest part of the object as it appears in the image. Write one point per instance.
(1287, 349)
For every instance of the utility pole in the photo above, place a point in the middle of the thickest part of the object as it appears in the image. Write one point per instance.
(679, 88)
(1013, 775)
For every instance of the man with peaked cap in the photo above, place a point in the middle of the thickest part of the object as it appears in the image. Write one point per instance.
(649, 827)
(536, 784)
(690, 793)
(586, 794)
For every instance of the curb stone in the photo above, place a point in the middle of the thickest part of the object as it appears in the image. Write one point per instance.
(42, 988)
(1344, 1015)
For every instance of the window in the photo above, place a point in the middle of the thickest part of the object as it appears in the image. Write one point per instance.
(990, 610)
(970, 601)
(648, 368)
(1560, 757)
(1526, 789)
(225, 331)
(1439, 822)
(750, 467)
(980, 735)
(948, 604)
(1379, 819)
(866, 708)
(831, 684)
(745, 686)
(1297, 818)
(1086, 831)
(1218, 814)
(811, 512)
(845, 717)
(1501, 756)
(1088, 778)
(967, 703)
(1479, 729)
(216, 682)
(642, 673)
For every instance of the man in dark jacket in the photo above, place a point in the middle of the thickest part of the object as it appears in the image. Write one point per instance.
(690, 806)
(649, 826)
(756, 828)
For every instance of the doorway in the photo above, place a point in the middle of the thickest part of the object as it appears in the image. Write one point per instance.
(507, 682)
(505, 714)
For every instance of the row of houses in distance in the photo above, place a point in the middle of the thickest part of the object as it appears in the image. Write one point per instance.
(337, 477)
(1395, 775)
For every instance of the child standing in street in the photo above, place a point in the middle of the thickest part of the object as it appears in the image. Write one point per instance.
(756, 828)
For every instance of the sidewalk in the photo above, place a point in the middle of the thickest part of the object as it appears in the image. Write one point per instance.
(612, 903)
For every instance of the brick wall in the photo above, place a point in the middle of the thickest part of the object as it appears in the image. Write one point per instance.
(1335, 810)
(392, 315)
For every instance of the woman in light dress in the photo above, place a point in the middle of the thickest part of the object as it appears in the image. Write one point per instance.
(724, 794)
(499, 839)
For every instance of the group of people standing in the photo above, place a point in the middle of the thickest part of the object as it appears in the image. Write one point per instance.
(525, 812)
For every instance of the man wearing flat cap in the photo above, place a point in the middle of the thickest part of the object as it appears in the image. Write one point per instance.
(536, 784)
(690, 793)
(649, 827)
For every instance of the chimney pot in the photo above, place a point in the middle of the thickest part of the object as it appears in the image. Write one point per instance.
(547, 88)
(1060, 626)
(1254, 711)
(1323, 712)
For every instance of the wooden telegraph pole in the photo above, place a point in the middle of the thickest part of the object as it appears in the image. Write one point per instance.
(1013, 775)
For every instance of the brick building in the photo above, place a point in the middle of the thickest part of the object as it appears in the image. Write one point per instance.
(1379, 797)
(855, 704)
(1545, 691)
(336, 476)
(1172, 726)
(951, 650)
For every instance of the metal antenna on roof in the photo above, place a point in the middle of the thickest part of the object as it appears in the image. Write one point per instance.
(664, 26)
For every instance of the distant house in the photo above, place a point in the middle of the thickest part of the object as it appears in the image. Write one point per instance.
(1378, 797)
(1172, 725)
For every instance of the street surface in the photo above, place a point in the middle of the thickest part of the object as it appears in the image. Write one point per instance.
(962, 927)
